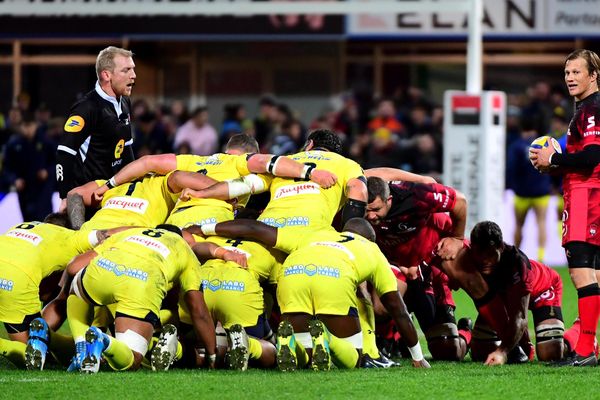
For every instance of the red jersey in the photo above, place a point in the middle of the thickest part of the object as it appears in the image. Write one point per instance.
(415, 222)
(584, 129)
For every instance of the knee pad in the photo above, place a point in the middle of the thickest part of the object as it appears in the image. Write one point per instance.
(545, 332)
(221, 336)
(134, 341)
(483, 333)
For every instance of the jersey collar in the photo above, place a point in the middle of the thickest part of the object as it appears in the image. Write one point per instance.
(116, 104)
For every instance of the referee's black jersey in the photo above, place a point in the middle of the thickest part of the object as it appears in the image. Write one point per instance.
(96, 142)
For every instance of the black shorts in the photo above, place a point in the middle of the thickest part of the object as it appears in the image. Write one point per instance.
(582, 255)
(23, 326)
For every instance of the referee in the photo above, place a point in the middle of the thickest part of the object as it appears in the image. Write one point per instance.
(97, 137)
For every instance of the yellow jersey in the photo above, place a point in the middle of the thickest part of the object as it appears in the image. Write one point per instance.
(39, 249)
(326, 252)
(296, 203)
(137, 251)
(145, 202)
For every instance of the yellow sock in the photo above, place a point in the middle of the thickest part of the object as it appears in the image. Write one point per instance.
(301, 355)
(14, 351)
(343, 353)
(367, 325)
(167, 317)
(254, 348)
(118, 355)
(540, 254)
(179, 352)
(79, 314)
(104, 315)
(62, 346)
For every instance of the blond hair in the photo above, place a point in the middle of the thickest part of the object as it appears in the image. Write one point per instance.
(106, 58)
(592, 60)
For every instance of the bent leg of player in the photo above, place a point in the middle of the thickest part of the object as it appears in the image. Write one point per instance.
(548, 320)
(366, 315)
(344, 337)
(484, 341)
(14, 351)
(260, 349)
(549, 343)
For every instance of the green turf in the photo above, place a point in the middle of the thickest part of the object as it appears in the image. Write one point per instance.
(445, 380)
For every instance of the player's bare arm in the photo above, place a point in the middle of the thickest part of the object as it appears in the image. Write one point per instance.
(449, 247)
(208, 250)
(287, 168)
(203, 324)
(396, 174)
(180, 180)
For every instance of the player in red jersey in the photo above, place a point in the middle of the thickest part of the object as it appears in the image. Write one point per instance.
(504, 283)
(580, 167)
(410, 221)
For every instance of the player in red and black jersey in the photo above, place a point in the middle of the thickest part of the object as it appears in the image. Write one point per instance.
(504, 284)
(580, 167)
(410, 221)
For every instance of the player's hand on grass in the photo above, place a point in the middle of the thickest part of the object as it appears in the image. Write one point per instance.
(497, 357)
(421, 364)
(325, 179)
(448, 248)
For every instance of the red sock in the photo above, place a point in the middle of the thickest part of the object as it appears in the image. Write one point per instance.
(466, 335)
(589, 313)
(571, 335)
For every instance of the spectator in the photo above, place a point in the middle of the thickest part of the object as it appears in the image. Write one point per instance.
(150, 136)
(200, 136)
(264, 122)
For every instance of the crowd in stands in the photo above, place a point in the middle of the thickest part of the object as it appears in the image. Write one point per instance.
(403, 131)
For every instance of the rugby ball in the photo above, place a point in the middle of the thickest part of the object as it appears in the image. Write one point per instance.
(545, 141)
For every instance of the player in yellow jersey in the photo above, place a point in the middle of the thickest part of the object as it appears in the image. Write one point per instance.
(234, 297)
(238, 161)
(298, 206)
(319, 279)
(134, 269)
(29, 253)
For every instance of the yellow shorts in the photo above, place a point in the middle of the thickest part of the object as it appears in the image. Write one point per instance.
(137, 290)
(523, 204)
(290, 229)
(314, 289)
(199, 215)
(19, 294)
(232, 295)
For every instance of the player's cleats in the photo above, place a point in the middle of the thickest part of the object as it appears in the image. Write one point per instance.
(80, 353)
(238, 355)
(97, 342)
(37, 345)
(286, 347)
(575, 360)
(165, 351)
(381, 362)
(465, 324)
(321, 357)
(517, 356)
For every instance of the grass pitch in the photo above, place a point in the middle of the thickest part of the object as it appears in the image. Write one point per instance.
(445, 380)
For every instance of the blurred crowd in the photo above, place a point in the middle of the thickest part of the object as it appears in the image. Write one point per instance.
(403, 131)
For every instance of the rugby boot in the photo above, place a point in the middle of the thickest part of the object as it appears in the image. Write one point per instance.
(80, 353)
(165, 351)
(286, 347)
(321, 356)
(97, 341)
(575, 360)
(37, 344)
(238, 355)
(381, 362)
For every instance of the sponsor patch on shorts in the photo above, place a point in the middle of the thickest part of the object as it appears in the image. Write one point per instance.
(216, 284)
(312, 270)
(6, 284)
(122, 270)
(296, 220)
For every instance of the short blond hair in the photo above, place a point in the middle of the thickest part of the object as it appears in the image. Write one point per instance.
(106, 58)
(592, 60)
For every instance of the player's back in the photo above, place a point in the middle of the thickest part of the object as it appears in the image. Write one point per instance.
(145, 202)
(261, 261)
(327, 251)
(219, 167)
(39, 249)
(149, 250)
(307, 200)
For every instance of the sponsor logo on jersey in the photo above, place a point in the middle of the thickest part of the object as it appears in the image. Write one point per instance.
(122, 270)
(335, 245)
(296, 190)
(25, 235)
(127, 203)
(204, 221)
(312, 270)
(6, 284)
(74, 124)
(297, 220)
(151, 244)
(210, 160)
(216, 284)
(547, 295)
(313, 155)
(119, 148)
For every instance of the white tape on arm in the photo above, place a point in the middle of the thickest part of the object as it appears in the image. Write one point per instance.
(93, 238)
(256, 184)
(238, 187)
